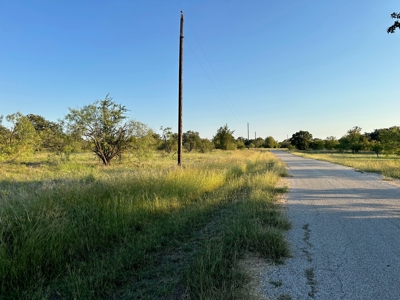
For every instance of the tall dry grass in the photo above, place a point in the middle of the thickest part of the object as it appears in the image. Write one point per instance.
(78, 230)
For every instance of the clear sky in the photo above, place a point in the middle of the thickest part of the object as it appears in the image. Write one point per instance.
(282, 66)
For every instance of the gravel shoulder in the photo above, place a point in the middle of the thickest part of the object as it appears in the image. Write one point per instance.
(345, 236)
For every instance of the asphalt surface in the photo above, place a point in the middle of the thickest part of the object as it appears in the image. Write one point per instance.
(345, 236)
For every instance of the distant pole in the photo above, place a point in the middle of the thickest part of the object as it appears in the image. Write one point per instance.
(248, 137)
(255, 135)
(180, 93)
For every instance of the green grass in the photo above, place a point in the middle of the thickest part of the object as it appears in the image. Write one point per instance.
(388, 166)
(78, 230)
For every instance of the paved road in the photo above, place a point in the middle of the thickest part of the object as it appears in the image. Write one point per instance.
(345, 237)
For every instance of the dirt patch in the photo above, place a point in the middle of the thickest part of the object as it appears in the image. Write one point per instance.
(253, 266)
(282, 197)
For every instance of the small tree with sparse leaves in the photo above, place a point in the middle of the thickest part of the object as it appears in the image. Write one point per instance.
(103, 123)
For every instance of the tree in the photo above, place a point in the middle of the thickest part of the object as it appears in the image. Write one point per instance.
(170, 140)
(270, 142)
(224, 139)
(4, 132)
(142, 139)
(191, 140)
(286, 144)
(343, 144)
(102, 122)
(38, 122)
(240, 144)
(47, 131)
(19, 141)
(377, 147)
(301, 140)
(330, 142)
(317, 144)
(206, 145)
(396, 24)
(375, 135)
(259, 142)
(354, 141)
(390, 139)
(374, 139)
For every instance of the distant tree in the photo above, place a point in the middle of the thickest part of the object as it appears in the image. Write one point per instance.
(390, 139)
(301, 140)
(270, 142)
(47, 131)
(4, 133)
(224, 139)
(241, 143)
(259, 142)
(354, 140)
(39, 122)
(373, 136)
(206, 146)
(343, 144)
(396, 24)
(330, 142)
(63, 144)
(375, 141)
(285, 144)
(191, 140)
(357, 140)
(141, 140)
(103, 123)
(170, 140)
(156, 136)
(317, 144)
(19, 141)
(377, 147)
(4, 136)
(249, 143)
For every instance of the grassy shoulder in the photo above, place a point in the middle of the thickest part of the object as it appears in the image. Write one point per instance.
(78, 230)
(388, 166)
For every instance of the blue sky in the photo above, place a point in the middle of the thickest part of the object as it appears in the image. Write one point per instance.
(282, 66)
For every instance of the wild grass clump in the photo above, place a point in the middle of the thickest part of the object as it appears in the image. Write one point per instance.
(252, 222)
(91, 232)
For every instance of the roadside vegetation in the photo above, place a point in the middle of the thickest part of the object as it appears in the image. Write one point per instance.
(376, 151)
(78, 229)
(104, 128)
(384, 141)
(388, 166)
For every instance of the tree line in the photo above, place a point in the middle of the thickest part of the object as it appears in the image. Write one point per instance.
(103, 127)
(384, 140)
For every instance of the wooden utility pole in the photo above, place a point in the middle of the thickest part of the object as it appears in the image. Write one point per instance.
(180, 134)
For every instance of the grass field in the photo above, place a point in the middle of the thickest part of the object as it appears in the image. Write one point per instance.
(388, 166)
(78, 230)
